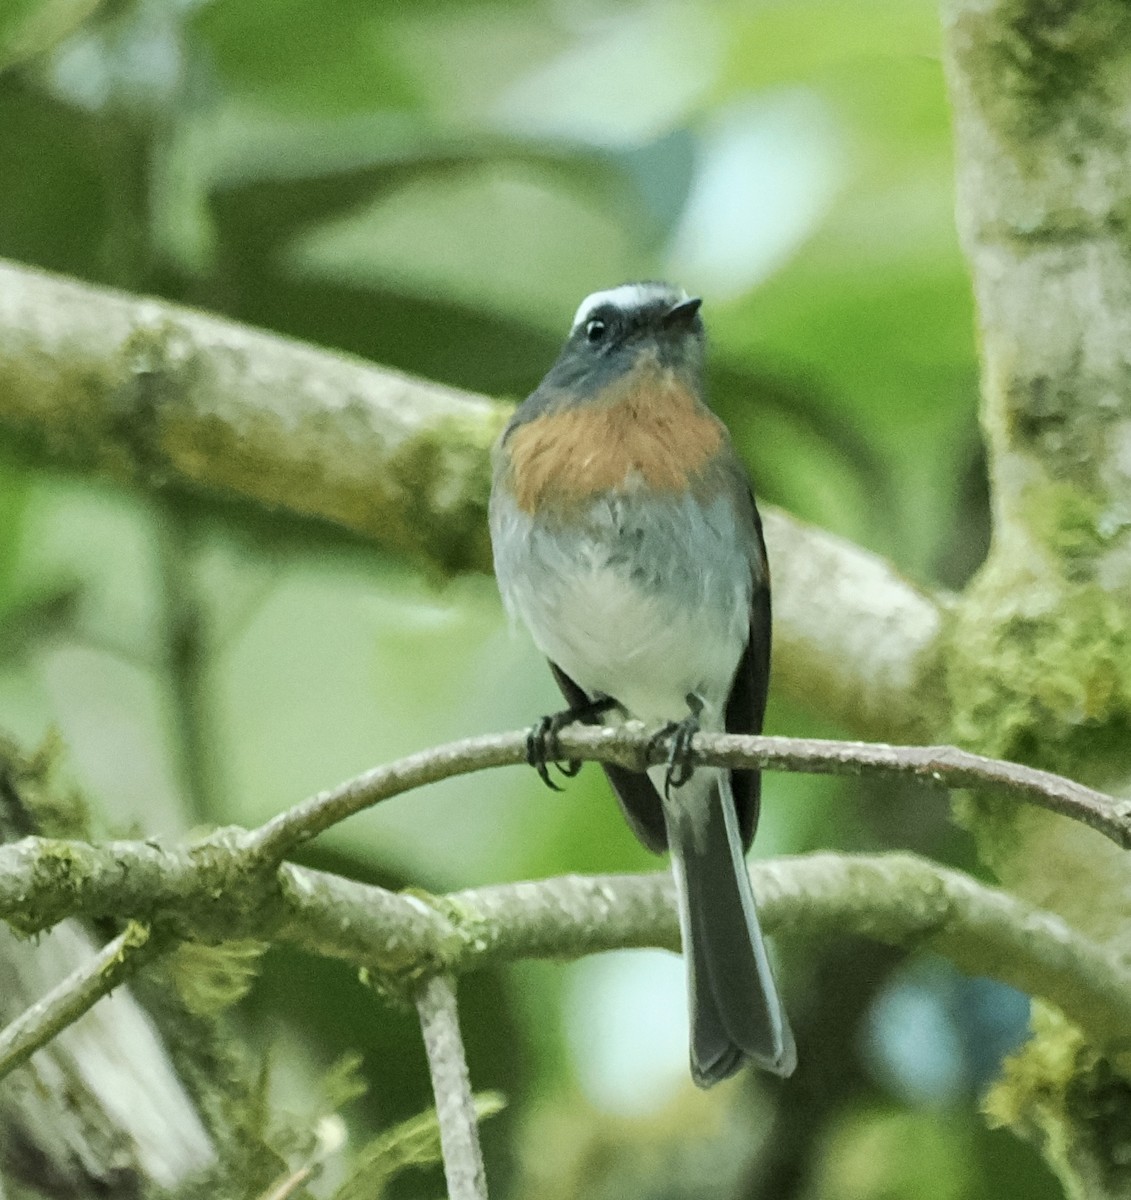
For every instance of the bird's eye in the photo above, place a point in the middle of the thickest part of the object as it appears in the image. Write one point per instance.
(595, 330)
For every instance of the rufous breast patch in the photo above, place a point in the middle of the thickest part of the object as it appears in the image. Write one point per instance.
(648, 430)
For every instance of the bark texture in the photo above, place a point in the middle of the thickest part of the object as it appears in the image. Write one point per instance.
(1041, 661)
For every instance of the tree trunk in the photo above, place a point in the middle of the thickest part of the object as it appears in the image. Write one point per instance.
(1041, 654)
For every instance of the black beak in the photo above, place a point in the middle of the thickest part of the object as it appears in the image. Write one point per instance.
(680, 315)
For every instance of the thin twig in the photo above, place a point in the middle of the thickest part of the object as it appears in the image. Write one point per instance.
(632, 746)
(202, 886)
(451, 1085)
(73, 996)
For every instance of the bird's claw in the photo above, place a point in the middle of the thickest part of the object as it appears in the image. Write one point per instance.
(680, 760)
(542, 748)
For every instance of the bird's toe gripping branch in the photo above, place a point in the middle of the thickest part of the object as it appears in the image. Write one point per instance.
(542, 747)
(678, 735)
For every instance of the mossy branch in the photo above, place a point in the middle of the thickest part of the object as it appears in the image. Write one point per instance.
(231, 884)
(898, 899)
(169, 398)
(73, 996)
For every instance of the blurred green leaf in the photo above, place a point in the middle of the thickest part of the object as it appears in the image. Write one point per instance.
(42, 608)
(486, 232)
(30, 27)
(344, 1082)
(13, 504)
(299, 58)
(810, 38)
(891, 1156)
(28, 620)
(53, 206)
(284, 188)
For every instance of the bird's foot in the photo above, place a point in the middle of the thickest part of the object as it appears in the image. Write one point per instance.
(542, 748)
(678, 735)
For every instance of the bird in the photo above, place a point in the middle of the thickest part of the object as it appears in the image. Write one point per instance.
(626, 538)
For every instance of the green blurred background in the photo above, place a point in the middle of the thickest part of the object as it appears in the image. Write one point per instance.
(435, 186)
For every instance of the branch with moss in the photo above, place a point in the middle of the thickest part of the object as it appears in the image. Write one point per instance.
(169, 398)
(898, 899)
(73, 996)
(231, 885)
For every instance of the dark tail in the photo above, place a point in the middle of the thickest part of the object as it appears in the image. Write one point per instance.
(736, 1013)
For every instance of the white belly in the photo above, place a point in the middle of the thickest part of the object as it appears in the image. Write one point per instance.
(647, 651)
(641, 599)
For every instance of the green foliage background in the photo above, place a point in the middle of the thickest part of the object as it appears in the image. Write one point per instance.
(435, 187)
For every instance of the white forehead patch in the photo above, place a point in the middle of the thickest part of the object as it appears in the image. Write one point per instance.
(628, 297)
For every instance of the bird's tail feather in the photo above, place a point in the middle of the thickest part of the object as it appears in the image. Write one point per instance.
(736, 1012)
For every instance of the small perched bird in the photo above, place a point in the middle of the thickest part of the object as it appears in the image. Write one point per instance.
(626, 539)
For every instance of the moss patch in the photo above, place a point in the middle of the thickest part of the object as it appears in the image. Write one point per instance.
(1074, 1105)
(439, 484)
(33, 798)
(1040, 673)
(1048, 684)
(1038, 63)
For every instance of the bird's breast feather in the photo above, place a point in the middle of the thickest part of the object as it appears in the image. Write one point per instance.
(650, 433)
